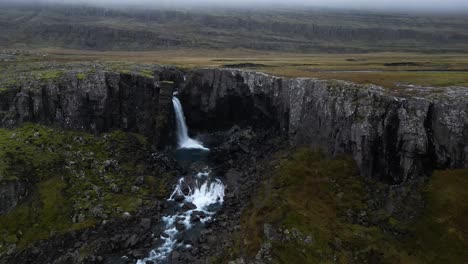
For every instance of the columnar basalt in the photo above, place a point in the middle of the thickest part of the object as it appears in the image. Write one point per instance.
(391, 137)
(101, 102)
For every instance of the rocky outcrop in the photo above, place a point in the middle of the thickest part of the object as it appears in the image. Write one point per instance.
(391, 137)
(95, 102)
(99, 102)
(11, 193)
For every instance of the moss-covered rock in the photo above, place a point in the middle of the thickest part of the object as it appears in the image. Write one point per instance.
(76, 180)
(440, 235)
(316, 210)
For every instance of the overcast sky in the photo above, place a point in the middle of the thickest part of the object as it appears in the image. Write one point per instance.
(410, 5)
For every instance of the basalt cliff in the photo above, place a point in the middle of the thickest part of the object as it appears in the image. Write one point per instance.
(392, 137)
(395, 138)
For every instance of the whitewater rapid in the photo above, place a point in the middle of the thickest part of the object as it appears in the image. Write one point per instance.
(196, 198)
(205, 193)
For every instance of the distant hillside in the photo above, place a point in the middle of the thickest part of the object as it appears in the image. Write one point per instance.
(92, 28)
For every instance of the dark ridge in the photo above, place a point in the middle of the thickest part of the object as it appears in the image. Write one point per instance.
(310, 30)
(403, 64)
(245, 65)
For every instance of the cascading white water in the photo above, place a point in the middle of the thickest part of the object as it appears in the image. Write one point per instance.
(183, 139)
(204, 192)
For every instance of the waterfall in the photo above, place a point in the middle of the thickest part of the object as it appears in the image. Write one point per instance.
(193, 202)
(183, 139)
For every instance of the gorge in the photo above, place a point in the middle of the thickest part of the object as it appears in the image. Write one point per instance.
(245, 119)
(197, 196)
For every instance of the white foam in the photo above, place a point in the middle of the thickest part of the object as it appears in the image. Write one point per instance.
(183, 139)
(204, 193)
(203, 174)
(190, 143)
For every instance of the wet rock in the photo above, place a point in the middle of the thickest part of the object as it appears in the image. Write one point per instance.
(139, 253)
(206, 232)
(145, 223)
(189, 206)
(180, 226)
(179, 198)
(131, 241)
(196, 216)
(175, 256)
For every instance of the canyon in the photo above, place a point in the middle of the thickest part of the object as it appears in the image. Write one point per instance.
(396, 138)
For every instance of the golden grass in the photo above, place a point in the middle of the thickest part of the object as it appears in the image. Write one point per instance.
(384, 69)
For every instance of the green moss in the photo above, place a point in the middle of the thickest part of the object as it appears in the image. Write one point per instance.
(80, 76)
(48, 74)
(72, 174)
(12, 82)
(124, 71)
(441, 234)
(46, 213)
(302, 196)
(314, 195)
(147, 73)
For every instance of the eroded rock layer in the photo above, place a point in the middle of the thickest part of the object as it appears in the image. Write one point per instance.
(392, 137)
(99, 102)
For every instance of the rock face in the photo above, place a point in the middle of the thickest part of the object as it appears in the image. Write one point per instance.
(391, 137)
(10, 194)
(100, 102)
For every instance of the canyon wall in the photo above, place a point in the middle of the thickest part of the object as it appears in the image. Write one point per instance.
(100, 102)
(392, 136)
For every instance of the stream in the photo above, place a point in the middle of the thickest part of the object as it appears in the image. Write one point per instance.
(194, 200)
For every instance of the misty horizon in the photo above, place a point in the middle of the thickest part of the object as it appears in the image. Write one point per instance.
(431, 6)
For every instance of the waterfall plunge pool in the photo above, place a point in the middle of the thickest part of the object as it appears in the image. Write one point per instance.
(194, 200)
